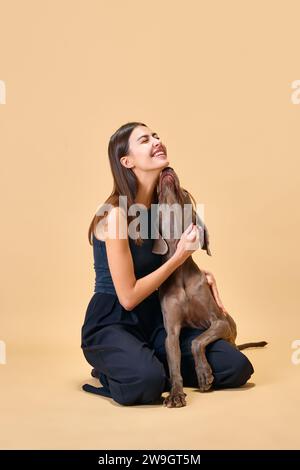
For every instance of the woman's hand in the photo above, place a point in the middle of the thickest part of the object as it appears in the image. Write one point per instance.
(188, 243)
(213, 285)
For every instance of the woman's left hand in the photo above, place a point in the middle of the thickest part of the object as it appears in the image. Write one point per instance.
(213, 285)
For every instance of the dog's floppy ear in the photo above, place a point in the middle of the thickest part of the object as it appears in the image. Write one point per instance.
(160, 246)
(204, 235)
(203, 232)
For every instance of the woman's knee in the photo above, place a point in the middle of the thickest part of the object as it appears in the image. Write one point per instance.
(145, 389)
(244, 370)
(239, 373)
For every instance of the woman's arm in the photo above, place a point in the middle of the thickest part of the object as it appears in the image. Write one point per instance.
(131, 291)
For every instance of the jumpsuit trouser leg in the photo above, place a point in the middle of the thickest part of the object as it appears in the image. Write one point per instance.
(127, 367)
(136, 372)
(230, 367)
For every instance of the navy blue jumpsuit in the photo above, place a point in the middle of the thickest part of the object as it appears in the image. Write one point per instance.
(127, 348)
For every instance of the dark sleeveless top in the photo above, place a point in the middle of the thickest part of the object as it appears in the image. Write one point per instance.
(143, 259)
(104, 307)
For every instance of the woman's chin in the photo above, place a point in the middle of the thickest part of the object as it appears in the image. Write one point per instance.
(164, 163)
(160, 164)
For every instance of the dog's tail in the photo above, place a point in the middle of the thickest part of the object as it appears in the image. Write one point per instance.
(259, 344)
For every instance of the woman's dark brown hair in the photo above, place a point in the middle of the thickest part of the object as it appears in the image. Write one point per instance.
(124, 180)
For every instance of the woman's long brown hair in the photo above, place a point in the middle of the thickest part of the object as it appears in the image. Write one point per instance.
(124, 180)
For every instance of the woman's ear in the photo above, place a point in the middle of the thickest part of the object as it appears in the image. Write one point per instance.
(160, 246)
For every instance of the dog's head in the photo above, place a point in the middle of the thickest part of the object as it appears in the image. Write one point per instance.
(173, 199)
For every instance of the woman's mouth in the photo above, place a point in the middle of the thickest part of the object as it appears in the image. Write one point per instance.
(161, 155)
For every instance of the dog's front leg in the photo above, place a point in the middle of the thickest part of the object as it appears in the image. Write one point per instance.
(176, 398)
(218, 329)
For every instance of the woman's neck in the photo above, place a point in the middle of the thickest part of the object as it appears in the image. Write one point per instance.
(144, 197)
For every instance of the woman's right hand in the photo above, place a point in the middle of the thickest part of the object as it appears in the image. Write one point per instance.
(188, 243)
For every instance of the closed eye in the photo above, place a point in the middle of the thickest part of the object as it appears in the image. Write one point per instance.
(146, 139)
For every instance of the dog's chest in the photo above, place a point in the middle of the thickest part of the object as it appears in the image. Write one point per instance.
(187, 303)
(196, 312)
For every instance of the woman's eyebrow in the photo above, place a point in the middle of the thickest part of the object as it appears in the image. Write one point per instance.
(147, 135)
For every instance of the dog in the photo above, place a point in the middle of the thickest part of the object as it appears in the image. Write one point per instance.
(186, 298)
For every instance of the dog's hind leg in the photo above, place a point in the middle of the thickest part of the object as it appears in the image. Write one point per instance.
(218, 329)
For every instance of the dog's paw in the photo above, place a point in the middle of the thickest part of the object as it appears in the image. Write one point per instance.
(175, 400)
(205, 378)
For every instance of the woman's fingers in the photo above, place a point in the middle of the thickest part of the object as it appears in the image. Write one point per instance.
(193, 239)
(189, 228)
(210, 278)
(213, 285)
(218, 300)
(191, 234)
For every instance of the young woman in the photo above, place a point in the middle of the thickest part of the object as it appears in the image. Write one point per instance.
(123, 336)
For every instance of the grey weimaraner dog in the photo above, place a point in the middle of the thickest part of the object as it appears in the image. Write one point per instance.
(186, 297)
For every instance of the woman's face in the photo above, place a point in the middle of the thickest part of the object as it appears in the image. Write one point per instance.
(146, 151)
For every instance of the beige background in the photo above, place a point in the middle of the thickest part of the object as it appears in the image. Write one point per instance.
(214, 80)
